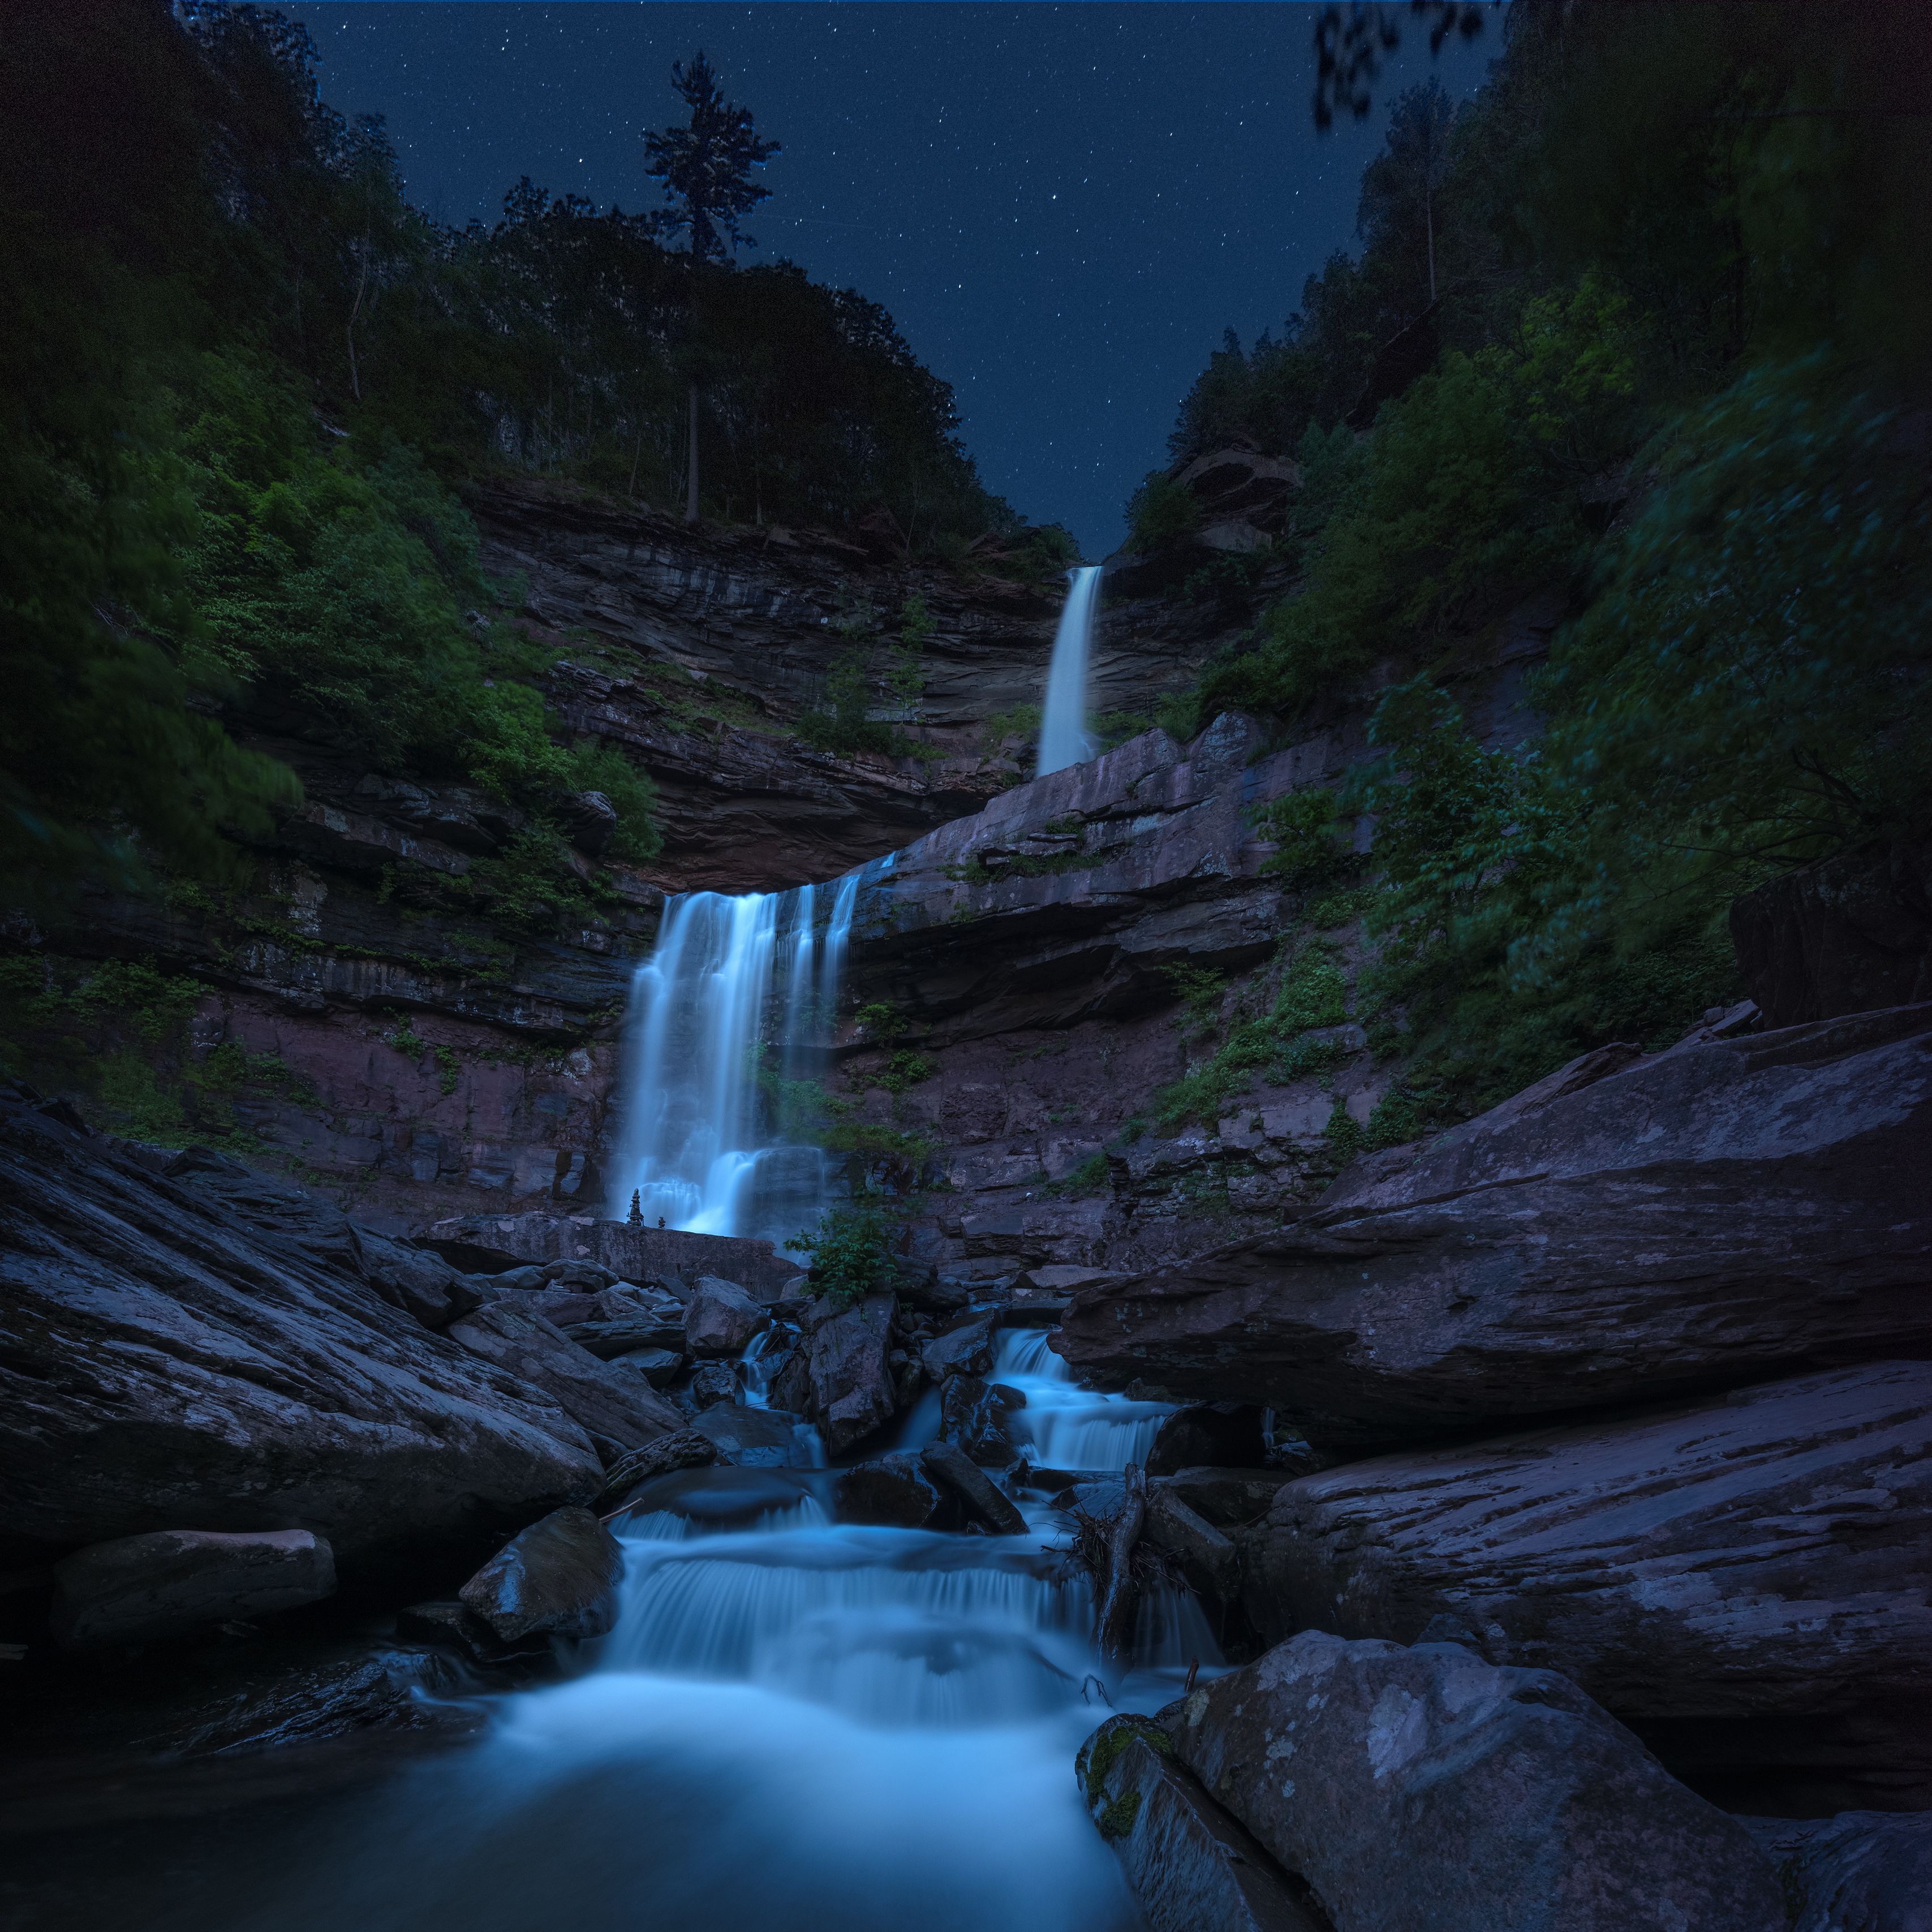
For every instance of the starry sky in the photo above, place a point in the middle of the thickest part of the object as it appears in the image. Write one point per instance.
(1063, 205)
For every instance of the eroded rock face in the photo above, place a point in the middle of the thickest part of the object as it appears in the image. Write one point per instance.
(1862, 1871)
(852, 1386)
(594, 1394)
(557, 1578)
(1426, 1789)
(162, 1363)
(1193, 1867)
(1747, 1579)
(1727, 1211)
(135, 1589)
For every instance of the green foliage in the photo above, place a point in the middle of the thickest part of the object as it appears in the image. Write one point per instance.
(1021, 721)
(905, 1068)
(1118, 1815)
(1310, 841)
(1090, 1176)
(1161, 512)
(1199, 989)
(851, 1250)
(1310, 994)
(597, 765)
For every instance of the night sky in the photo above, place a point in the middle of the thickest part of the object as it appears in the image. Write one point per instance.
(1062, 205)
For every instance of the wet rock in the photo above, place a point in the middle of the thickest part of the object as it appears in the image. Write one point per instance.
(137, 1589)
(983, 1498)
(1208, 1561)
(852, 1390)
(1193, 1867)
(592, 1393)
(973, 1413)
(967, 1349)
(756, 1438)
(1228, 1435)
(626, 1252)
(711, 1384)
(421, 1283)
(895, 1490)
(721, 1319)
(1744, 1579)
(1425, 1788)
(728, 1497)
(1632, 1228)
(1862, 1871)
(455, 1625)
(557, 1578)
(1224, 1497)
(657, 1365)
(687, 1449)
(163, 1361)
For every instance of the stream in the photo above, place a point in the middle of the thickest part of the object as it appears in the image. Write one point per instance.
(795, 1723)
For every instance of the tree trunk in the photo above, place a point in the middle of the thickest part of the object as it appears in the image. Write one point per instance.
(1120, 1595)
(691, 467)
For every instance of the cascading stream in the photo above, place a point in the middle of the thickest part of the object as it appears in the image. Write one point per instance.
(1064, 739)
(801, 1724)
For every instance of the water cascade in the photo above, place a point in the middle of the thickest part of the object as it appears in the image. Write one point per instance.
(797, 1723)
(1063, 736)
(700, 1146)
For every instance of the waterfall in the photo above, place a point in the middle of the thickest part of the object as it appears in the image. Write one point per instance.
(701, 1145)
(1063, 736)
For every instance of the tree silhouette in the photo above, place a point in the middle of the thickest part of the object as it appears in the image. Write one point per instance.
(1400, 185)
(706, 166)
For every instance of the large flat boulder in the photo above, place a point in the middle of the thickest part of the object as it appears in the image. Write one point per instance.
(595, 1394)
(628, 1250)
(1633, 1228)
(1425, 1789)
(163, 1363)
(136, 1589)
(721, 1318)
(1746, 1578)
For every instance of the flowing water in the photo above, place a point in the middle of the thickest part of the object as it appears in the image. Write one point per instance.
(1064, 739)
(703, 1146)
(796, 1724)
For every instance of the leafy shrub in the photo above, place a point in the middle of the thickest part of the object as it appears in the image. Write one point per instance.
(851, 1251)
(1308, 839)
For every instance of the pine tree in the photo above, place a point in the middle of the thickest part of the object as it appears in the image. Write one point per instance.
(705, 167)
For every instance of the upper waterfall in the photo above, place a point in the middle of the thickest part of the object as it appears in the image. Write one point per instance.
(1063, 736)
(701, 1145)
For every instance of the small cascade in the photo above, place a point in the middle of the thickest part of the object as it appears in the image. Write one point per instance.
(1064, 739)
(702, 1146)
(1065, 1427)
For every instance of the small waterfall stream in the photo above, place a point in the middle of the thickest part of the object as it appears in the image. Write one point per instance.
(1064, 739)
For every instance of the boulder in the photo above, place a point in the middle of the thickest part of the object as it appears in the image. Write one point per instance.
(728, 1497)
(721, 1318)
(455, 1625)
(755, 1438)
(1862, 1871)
(1226, 1434)
(163, 1361)
(711, 1384)
(1746, 1580)
(135, 1589)
(1425, 1789)
(617, 1321)
(895, 1490)
(1193, 1867)
(983, 1498)
(657, 1365)
(1633, 1229)
(687, 1449)
(852, 1391)
(592, 1393)
(557, 1578)
(973, 1414)
(967, 1349)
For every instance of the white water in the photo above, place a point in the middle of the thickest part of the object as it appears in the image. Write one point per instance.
(803, 1726)
(1064, 739)
(699, 1144)
(1064, 1426)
